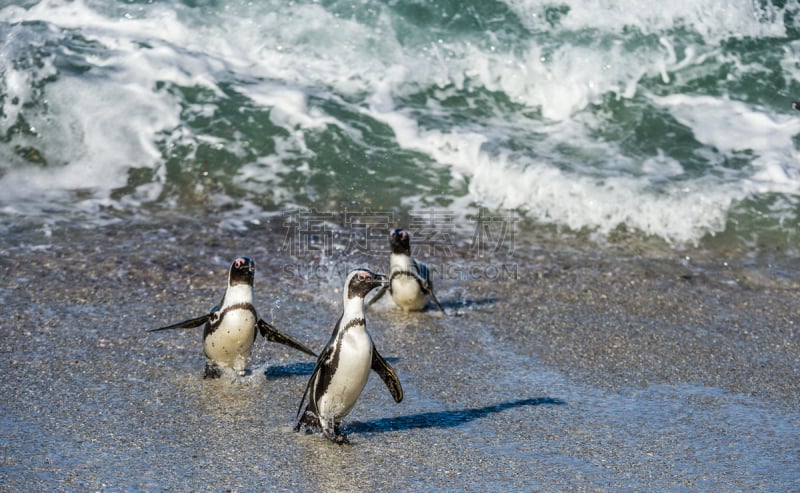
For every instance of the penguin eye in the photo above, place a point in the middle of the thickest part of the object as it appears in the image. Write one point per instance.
(362, 276)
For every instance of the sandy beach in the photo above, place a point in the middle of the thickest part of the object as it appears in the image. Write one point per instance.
(559, 367)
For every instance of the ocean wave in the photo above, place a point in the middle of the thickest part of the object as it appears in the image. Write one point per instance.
(672, 122)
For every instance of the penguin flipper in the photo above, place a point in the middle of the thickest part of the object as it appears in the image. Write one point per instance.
(186, 324)
(435, 301)
(387, 374)
(308, 419)
(272, 334)
(378, 295)
(304, 417)
(309, 416)
(426, 284)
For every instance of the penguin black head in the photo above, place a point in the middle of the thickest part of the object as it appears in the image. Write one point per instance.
(362, 281)
(400, 241)
(242, 272)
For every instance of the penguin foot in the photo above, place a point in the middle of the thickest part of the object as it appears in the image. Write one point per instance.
(309, 420)
(337, 438)
(333, 434)
(307, 430)
(212, 371)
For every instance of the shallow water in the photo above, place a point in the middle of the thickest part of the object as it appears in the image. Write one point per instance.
(588, 372)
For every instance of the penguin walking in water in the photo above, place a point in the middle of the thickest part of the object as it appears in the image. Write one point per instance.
(230, 327)
(343, 366)
(410, 282)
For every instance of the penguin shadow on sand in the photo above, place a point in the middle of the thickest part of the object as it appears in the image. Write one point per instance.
(459, 305)
(447, 418)
(290, 370)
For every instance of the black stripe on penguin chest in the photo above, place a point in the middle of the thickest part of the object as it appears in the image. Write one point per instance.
(328, 370)
(217, 323)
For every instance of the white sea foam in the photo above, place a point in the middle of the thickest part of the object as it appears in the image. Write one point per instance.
(563, 80)
(563, 75)
(713, 20)
(682, 212)
(735, 127)
(93, 127)
(577, 201)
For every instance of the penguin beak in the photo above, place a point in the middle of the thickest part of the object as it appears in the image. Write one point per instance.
(242, 271)
(376, 280)
(398, 241)
(243, 263)
(380, 279)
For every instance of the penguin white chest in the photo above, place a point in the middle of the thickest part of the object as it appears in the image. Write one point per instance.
(407, 293)
(350, 377)
(232, 341)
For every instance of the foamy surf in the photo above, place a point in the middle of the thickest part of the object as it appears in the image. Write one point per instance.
(588, 116)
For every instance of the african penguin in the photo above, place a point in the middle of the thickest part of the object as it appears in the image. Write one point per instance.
(410, 282)
(230, 327)
(343, 366)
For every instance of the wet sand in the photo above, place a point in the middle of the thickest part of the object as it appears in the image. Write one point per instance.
(574, 369)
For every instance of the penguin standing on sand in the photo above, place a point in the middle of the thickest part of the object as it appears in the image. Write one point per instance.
(343, 366)
(230, 327)
(410, 282)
